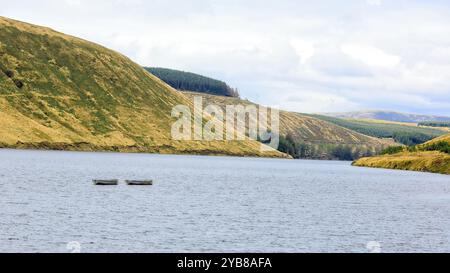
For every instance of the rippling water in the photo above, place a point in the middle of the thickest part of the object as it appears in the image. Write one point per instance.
(216, 204)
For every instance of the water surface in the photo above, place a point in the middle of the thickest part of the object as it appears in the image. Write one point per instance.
(216, 204)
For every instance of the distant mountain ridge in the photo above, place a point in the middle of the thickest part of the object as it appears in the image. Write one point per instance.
(388, 115)
(402, 132)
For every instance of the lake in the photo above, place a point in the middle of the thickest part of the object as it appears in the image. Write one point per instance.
(216, 204)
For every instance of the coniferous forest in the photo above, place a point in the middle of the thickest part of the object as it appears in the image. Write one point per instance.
(186, 81)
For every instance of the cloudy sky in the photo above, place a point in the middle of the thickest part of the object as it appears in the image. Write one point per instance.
(305, 56)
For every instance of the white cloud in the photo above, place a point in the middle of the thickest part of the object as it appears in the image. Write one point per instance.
(72, 3)
(374, 2)
(304, 49)
(370, 55)
(299, 54)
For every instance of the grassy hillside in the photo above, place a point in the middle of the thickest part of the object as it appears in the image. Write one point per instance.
(410, 124)
(307, 137)
(187, 81)
(435, 162)
(407, 134)
(444, 138)
(61, 92)
(432, 156)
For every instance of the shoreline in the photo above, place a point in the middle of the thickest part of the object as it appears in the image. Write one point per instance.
(429, 162)
(134, 149)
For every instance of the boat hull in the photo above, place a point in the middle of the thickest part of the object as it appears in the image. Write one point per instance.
(106, 182)
(139, 182)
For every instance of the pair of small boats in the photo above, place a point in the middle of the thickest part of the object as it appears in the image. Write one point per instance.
(115, 182)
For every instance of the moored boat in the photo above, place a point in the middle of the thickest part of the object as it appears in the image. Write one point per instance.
(112, 182)
(139, 182)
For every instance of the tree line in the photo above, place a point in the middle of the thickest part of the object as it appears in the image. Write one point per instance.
(435, 123)
(304, 150)
(441, 146)
(186, 81)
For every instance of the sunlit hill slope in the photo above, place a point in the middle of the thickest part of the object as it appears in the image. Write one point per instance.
(61, 92)
(310, 137)
(432, 156)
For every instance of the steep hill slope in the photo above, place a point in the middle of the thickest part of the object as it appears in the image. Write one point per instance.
(311, 137)
(61, 92)
(432, 156)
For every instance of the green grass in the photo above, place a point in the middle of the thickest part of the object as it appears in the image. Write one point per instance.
(432, 156)
(431, 161)
(75, 94)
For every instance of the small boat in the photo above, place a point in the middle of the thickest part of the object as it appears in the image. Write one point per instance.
(112, 182)
(139, 182)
